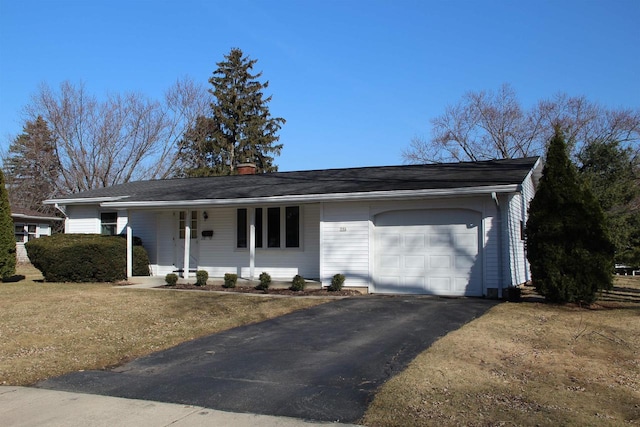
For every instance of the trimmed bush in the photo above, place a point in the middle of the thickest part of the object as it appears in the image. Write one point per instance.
(140, 261)
(84, 258)
(298, 283)
(265, 281)
(201, 277)
(230, 280)
(171, 279)
(336, 282)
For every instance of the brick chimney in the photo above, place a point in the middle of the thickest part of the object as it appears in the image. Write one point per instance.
(246, 169)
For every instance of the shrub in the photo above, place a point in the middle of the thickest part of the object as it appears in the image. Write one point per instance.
(140, 261)
(230, 280)
(265, 281)
(298, 283)
(568, 247)
(201, 277)
(7, 239)
(336, 282)
(84, 258)
(171, 279)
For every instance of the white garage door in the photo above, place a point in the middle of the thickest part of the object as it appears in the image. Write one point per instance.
(428, 252)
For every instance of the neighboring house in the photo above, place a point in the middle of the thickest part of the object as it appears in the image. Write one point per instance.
(443, 229)
(28, 225)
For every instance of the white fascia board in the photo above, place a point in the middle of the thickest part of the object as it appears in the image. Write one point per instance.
(36, 218)
(312, 198)
(83, 201)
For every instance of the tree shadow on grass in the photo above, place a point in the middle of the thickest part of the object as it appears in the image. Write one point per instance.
(13, 279)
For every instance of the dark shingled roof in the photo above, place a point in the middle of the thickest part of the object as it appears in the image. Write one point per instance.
(327, 181)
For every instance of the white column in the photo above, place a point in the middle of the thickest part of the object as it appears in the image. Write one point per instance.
(252, 242)
(129, 247)
(187, 244)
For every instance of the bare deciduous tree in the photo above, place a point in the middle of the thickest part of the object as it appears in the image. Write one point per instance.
(493, 125)
(122, 138)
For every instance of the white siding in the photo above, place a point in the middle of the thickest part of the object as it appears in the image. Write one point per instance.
(516, 247)
(345, 245)
(218, 255)
(165, 258)
(82, 219)
(143, 225)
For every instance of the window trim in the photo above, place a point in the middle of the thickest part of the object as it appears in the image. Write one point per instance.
(104, 223)
(263, 228)
(182, 224)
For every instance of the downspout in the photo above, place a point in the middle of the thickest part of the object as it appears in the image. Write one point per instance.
(525, 202)
(494, 196)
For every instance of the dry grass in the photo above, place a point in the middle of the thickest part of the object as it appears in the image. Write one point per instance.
(526, 363)
(48, 329)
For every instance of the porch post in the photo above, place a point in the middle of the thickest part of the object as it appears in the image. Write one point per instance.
(129, 247)
(187, 244)
(252, 242)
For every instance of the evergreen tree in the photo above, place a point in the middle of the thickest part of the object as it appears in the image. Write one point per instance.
(611, 171)
(240, 128)
(7, 240)
(32, 166)
(569, 250)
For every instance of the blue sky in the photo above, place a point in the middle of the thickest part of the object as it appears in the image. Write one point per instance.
(355, 79)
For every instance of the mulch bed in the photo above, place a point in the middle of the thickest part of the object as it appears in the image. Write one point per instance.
(270, 291)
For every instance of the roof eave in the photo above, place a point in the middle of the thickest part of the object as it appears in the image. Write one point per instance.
(83, 201)
(327, 197)
(36, 218)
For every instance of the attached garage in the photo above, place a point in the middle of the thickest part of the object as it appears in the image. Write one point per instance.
(431, 251)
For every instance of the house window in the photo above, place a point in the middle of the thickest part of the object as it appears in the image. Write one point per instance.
(108, 223)
(241, 221)
(182, 224)
(292, 226)
(275, 224)
(273, 227)
(258, 227)
(18, 231)
(31, 232)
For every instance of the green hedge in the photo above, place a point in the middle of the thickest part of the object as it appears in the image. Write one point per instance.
(85, 258)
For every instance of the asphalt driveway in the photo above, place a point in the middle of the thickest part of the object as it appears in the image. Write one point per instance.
(323, 363)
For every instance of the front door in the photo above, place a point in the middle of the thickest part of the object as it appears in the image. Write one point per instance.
(184, 219)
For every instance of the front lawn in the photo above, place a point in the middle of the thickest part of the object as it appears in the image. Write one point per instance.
(48, 329)
(529, 364)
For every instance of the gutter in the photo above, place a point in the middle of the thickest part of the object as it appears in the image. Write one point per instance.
(308, 198)
(79, 201)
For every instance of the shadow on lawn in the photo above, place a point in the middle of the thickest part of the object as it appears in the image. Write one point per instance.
(620, 293)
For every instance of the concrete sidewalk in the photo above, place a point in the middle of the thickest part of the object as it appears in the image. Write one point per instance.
(25, 406)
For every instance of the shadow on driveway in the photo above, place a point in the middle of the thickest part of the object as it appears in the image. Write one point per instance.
(323, 363)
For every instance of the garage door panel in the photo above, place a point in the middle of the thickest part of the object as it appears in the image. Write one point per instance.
(415, 242)
(443, 240)
(465, 262)
(428, 251)
(440, 283)
(440, 261)
(466, 240)
(414, 261)
(415, 282)
(390, 261)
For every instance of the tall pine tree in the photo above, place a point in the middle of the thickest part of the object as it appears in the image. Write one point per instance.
(7, 240)
(568, 247)
(240, 128)
(612, 173)
(32, 167)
